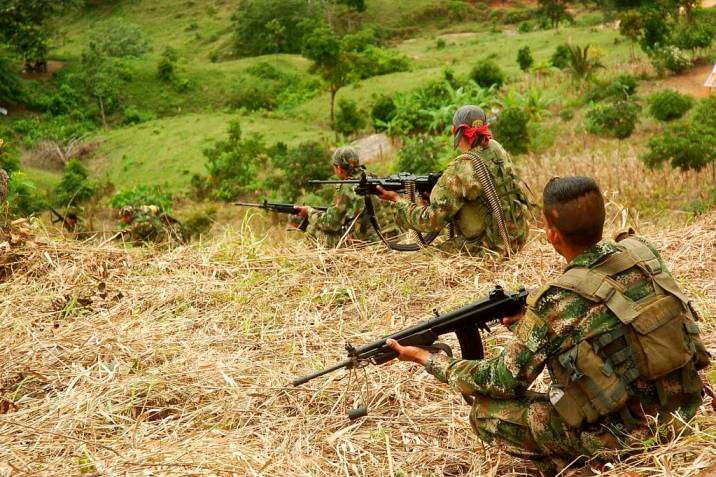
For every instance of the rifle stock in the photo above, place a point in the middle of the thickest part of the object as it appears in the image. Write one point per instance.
(281, 209)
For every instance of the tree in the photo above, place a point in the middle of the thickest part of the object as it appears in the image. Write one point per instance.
(656, 31)
(331, 61)
(580, 64)
(119, 38)
(631, 24)
(669, 105)
(101, 79)
(555, 11)
(348, 119)
(10, 86)
(511, 130)
(24, 26)
(524, 58)
(617, 119)
(74, 187)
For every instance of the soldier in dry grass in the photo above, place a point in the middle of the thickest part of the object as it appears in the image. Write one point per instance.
(147, 224)
(618, 336)
(461, 198)
(345, 217)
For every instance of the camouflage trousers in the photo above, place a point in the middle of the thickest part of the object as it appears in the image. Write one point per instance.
(530, 428)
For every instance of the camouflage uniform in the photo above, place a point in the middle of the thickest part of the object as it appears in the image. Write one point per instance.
(458, 197)
(527, 424)
(148, 224)
(347, 210)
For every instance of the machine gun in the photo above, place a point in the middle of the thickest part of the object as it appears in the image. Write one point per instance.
(406, 183)
(280, 209)
(465, 322)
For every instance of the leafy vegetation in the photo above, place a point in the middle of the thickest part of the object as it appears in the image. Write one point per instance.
(349, 120)
(487, 73)
(580, 64)
(617, 119)
(524, 58)
(421, 154)
(510, 130)
(143, 195)
(668, 105)
(75, 187)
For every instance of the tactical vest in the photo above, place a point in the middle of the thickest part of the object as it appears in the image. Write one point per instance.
(657, 338)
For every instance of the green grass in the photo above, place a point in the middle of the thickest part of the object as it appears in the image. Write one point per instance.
(168, 151)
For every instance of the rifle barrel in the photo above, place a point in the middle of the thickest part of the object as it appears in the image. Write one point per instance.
(343, 364)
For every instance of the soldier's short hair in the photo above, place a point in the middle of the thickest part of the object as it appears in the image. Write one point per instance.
(575, 206)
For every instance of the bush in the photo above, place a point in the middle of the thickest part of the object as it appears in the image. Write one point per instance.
(421, 154)
(294, 167)
(510, 130)
(119, 38)
(278, 26)
(524, 58)
(668, 105)
(348, 118)
(75, 187)
(199, 221)
(655, 31)
(692, 37)
(682, 146)
(382, 112)
(23, 197)
(705, 115)
(440, 44)
(166, 68)
(616, 119)
(10, 87)
(254, 95)
(374, 61)
(234, 164)
(670, 58)
(525, 27)
(134, 116)
(620, 88)
(560, 57)
(9, 159)
(143, 195)
(487, 73)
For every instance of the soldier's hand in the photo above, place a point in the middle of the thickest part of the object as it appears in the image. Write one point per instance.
(302, 210)
(511, 320)
(409, 353)
(389, 195)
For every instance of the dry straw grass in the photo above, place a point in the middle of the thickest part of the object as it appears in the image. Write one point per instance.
(148, 362)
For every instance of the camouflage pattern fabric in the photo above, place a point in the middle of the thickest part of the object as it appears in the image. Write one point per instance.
(330, 226)
(150, 225)
(507, 413)
(458, 197)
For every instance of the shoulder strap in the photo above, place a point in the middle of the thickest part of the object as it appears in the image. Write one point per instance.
(482, 173)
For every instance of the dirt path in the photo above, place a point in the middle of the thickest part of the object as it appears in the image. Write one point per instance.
(691, 83)
(374, 148)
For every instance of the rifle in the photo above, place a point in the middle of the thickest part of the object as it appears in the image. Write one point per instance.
(465, 322)
(280, 209)
(57, 217)
(404, 182)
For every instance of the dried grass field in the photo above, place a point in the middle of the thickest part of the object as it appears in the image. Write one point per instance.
(178, 362)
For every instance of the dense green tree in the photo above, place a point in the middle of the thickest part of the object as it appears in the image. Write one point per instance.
(656, 30)
(10, 86)
(617, 119)
(511, 130)
(524, 58)
(101, 79)
(349, 119)
(25, 27)
(555, 11)
(119, 38)
(487, 73)
(668, 105)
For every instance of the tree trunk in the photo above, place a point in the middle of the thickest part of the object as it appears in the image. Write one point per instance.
(334, 90)
(101, 111)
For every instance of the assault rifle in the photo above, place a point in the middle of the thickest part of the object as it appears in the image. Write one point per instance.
(404, 182)
(280, 209)
(465, 322)
(68, 222)
(401, 182)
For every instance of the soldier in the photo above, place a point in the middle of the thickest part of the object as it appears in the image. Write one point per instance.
(615, 331)
(147, 224)
(477, 192)
(346, 215)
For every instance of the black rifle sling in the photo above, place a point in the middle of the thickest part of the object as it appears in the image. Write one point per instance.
(398, 247)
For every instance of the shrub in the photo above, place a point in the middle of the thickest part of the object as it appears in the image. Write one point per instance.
(440, 44)
(510, 130)
(682, 146)
(278, 26)
(420, 154)
(487, 73)
(199, 221)
(134, 116)
(234, 164)
(9, 159)
(692, 37)
(143, 195)
(620, 88)
(655, 31)
(119, 38)
(348, 118)
(254, 95)
(560, 57)
(668, 105)
(382, 112)
(23, 197)
(375, 61)
(10, 87)
(670, 58)
(705, 115)
(166, 68)
(525, 27)
(616, 119)
(580, 64)
(294, 167)
(524, 58)
(75, 187)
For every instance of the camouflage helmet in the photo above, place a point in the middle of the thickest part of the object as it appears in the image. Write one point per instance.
(126, 211)
(347, 158)
(469, 115)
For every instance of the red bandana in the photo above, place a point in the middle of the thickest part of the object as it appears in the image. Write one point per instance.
(483, 133)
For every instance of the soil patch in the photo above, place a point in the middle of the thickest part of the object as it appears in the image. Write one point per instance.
(691, 83)
(53, 67)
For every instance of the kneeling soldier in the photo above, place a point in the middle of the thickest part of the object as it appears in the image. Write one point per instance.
(616, 333)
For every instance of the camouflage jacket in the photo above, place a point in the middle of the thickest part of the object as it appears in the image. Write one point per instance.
(346, 211)
(458, 197)
(556, 322)
(149, 226)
